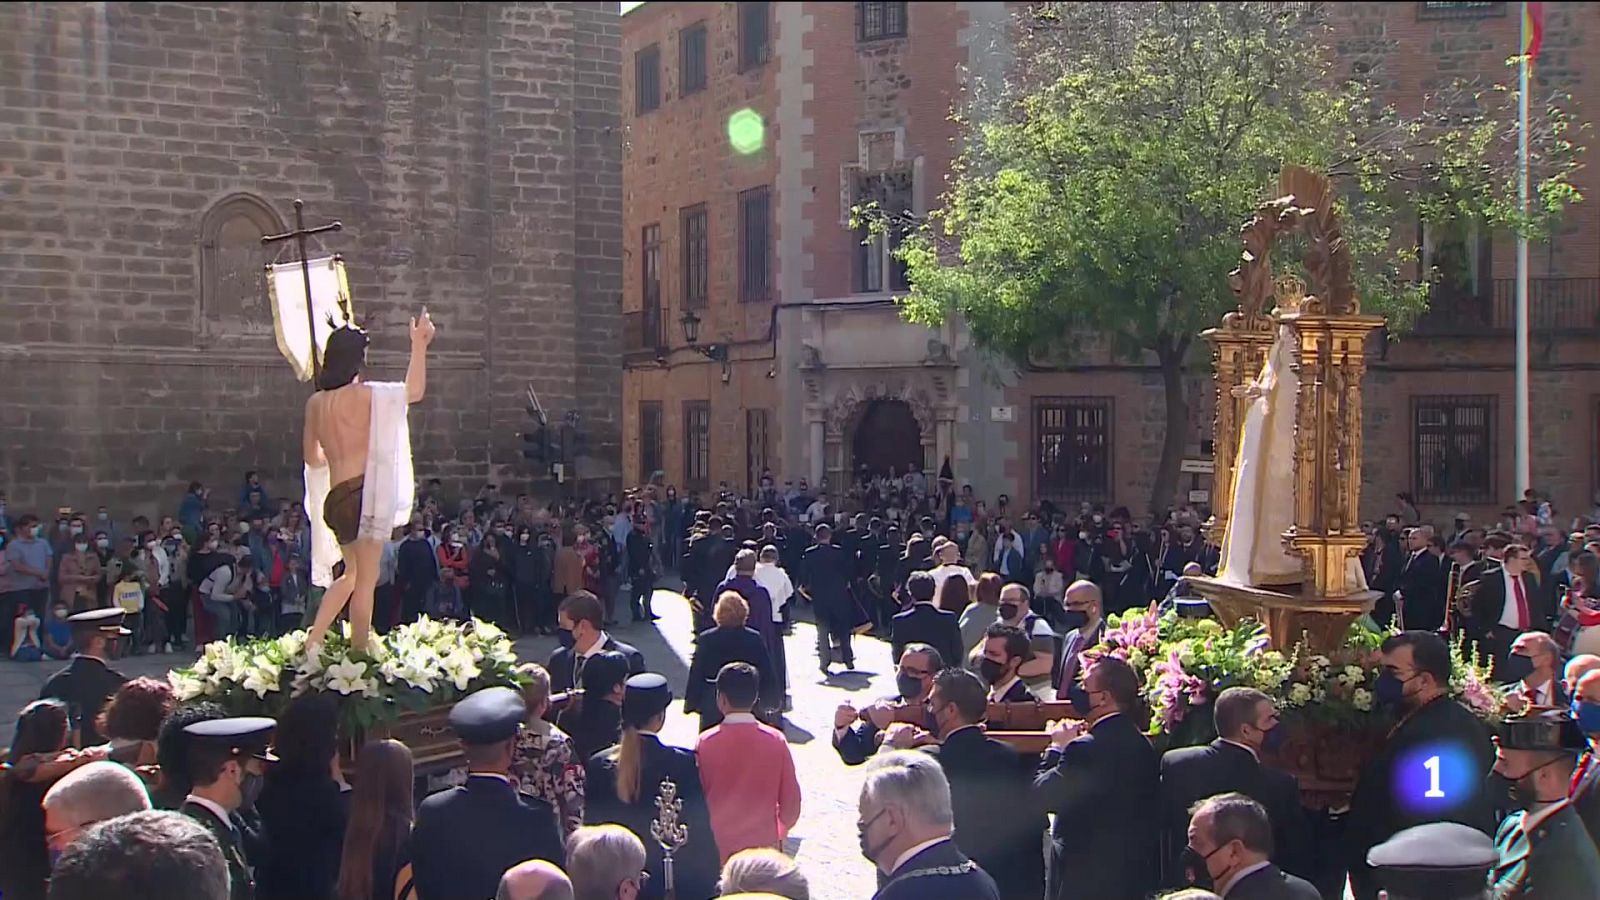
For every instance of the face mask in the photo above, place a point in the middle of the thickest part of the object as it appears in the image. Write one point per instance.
(456, 543)
(1073, 619)
(1587, 714)
(990, 671)
(867, 850)
(1194, 862)
(565, 638)
(60, 613)
(250, 789)
(1517, 667)
(34, 532)
(908, 685)
(1272, 739)
(77, 529)
(102, 543)
(1389, 690)
(82, 547)
(103, 517)
(1078, 696)
(1008, 611)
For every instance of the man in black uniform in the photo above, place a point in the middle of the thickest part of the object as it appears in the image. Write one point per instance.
(1416, 678)
(226, 760)
(925, 623)
(825, 574)
(89, 681)
(1247, 723)
(467, 837)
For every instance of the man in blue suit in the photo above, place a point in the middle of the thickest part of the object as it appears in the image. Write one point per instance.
(905, 827)
(467, 837)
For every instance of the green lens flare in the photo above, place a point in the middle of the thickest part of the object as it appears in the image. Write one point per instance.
(746, 131)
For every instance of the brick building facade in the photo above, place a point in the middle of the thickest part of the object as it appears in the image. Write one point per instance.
(473, 152)
(821, 375)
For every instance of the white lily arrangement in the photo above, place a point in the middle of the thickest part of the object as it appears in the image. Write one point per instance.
(416, 666)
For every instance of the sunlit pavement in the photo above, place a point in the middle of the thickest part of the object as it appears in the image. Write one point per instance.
(825, 838)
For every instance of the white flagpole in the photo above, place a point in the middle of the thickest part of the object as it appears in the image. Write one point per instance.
(1524, 469)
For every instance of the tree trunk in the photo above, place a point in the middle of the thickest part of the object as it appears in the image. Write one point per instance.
(1172, 447)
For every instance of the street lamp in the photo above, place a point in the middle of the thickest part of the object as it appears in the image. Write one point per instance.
(691, 336)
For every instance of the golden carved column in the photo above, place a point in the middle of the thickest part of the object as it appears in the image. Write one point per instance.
(1239, 350)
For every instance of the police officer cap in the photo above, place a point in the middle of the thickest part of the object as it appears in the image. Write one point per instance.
(1439, 859)
(238, 735)
(487, 716)
(1542, 729)
(646, 697)
(107, 621)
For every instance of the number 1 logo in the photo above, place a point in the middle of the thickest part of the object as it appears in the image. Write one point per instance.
(1432, 765)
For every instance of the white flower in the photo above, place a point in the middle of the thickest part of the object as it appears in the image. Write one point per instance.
(293, 645)
(1321, 662)
(460, 668)
(1355, 674)
(1299, 694)
(262, 680)
(347, 677)
(1362, 699)
(1138, 659)
(185, 687)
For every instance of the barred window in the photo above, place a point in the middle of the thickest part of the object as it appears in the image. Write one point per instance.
(649, 440)
(696, 445)
(875, 254)
(755, 245)
(756, 447)
(877, 21)
(1072, 439)
(696, 255)
(754, 45)
(1454, 452)
(650, 258)
(646, 79)
(692, 59)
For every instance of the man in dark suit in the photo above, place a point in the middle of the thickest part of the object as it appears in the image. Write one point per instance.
(906, 826)
(757, 598)
(1507, 603)
(1229, 840)
(925, 623)
(467, 837)
(1082, 626)
(89, 681)
(1417, 596)
(1247, 722)
(226, 758)
(1005, 649)
(1415, 677)
(1101, 770)
(1463, 572)
(855, 732)
(825, 572)
(581, 618)
(1533, 672)
(998, 823)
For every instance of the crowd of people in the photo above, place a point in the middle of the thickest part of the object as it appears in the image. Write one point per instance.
(980, 603)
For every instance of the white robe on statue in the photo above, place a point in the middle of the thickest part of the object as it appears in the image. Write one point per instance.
(387, 491)
(1253, 552)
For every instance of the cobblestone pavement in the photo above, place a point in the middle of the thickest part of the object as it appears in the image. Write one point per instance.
(824, 840)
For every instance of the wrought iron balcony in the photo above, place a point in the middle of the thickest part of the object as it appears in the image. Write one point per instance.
(1556, 307)
(644, 334)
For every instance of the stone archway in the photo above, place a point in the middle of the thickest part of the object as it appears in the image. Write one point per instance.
(885, 437)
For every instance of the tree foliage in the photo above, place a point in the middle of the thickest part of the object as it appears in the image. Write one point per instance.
(1101, 190)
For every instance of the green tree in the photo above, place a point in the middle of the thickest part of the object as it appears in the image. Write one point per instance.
(1099, 193)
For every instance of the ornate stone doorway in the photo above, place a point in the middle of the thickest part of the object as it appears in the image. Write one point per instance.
(886, 436)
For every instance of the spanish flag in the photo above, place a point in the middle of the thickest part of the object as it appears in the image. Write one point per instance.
(1532, 29)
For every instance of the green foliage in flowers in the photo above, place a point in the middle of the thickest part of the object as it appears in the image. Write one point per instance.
(417, 666)
(1185, 663)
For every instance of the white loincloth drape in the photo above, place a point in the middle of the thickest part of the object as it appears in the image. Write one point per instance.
(387, 491)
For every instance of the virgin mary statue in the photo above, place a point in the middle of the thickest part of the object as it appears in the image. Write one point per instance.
(1254, 552)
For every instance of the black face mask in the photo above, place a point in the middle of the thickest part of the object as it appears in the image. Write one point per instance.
(990, 671)
(1194, 863)
(565, 638)
(867, 850)
(1073, 619)
(1517, 667)
(1008, 611)
(909, 686)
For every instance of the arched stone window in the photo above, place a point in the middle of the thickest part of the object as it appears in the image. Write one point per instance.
(233, 287)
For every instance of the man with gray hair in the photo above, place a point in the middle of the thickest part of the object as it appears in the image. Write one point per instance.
(1230, 842)
(535, 880)
(905, 828)
(743, 582)
(605, 862)
(91, 793)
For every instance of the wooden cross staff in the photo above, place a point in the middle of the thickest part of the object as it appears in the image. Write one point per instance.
(299, 235)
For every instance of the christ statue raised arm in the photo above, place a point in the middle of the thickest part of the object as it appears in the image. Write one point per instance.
(359, 481)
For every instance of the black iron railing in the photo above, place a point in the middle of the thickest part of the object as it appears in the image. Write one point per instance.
(644, 331)
(1556, 306)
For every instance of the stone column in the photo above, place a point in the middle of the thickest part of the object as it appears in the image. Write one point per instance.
(817, 460)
